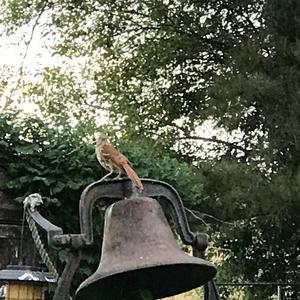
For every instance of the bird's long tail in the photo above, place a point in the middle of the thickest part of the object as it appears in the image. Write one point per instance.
(133, 176)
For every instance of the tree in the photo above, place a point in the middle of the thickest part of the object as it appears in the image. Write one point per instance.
(59, 163)
(161, 70)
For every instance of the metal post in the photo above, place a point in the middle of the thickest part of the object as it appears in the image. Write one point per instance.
(279, 294)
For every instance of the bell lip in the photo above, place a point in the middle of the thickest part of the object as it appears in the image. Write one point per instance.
(203, 265)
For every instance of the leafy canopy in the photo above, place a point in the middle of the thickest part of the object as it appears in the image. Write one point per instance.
(160, 70)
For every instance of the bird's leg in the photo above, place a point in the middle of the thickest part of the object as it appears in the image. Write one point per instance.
(107, 175)
(118, 176)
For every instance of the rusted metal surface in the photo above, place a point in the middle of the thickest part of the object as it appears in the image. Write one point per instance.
(210, 289)
(108, 192)
(140, 253)
(64, 282)
(114, 190)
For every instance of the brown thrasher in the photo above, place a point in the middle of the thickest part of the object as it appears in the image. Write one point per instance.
(114, 161)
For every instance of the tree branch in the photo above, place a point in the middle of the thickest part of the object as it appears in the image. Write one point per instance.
(193, 213)
(20, 72)
(214, 140)
(198, 215)
(210, 140)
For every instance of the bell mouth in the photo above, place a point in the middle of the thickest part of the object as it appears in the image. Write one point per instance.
(160, 280)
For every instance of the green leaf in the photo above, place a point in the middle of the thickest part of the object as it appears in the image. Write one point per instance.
(27, 149)
(46, 181)
(57, 188)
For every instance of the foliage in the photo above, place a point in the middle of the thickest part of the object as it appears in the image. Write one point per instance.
(55, 163)
(60, 163)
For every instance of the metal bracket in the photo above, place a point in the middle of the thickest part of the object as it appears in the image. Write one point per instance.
(111, 191)
(55, 236)
(51, 229)
(114, 190)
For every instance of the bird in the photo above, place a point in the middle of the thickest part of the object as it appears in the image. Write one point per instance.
(113, 160)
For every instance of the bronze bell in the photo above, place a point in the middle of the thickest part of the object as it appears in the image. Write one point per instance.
(139, 252)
